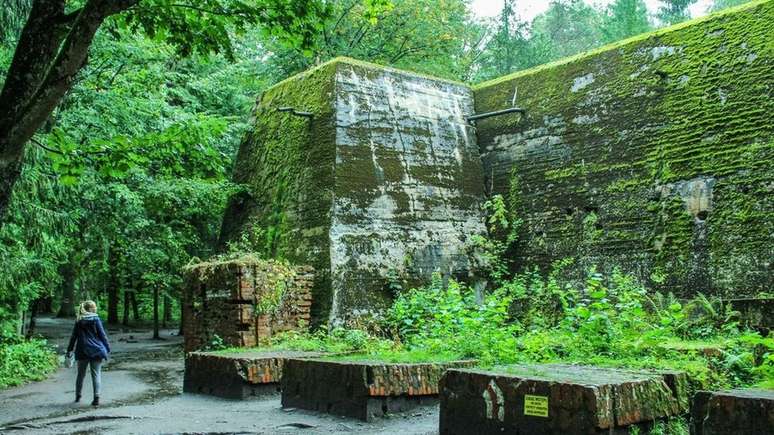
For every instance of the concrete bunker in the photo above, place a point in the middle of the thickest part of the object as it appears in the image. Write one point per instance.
(380, 188)
(624, 157)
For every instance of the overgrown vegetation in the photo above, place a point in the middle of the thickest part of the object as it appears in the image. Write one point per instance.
(23, 361)
(533, 317)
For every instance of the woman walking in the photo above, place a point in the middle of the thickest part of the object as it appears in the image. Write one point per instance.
(91, 348)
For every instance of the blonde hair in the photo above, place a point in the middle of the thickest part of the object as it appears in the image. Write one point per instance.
(86, 308)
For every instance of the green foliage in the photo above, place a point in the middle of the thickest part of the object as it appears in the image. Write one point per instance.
(13, 14)
(207, 25)
(337, 340)
(674, 11)
(447, 318)
(425, 36)
(625, 18)
(718, 5)
(503, 225)
(23, 361)
(216, 343)
(671, 426)
(604, 320)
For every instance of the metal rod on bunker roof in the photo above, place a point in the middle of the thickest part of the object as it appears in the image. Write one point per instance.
(495, 113)
(295, 112)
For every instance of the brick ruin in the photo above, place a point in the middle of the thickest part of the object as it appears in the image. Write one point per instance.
(226, 300)
(362, 389)
(655, 155)
(738, 412)
(237, 375)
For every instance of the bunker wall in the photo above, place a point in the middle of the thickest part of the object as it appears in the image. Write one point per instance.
(408, 184)
(286, 162)
(656, 154)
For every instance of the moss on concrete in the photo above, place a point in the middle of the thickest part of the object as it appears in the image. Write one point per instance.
(667, 137)
(286, 162)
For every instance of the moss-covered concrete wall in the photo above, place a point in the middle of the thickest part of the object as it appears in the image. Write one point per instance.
(381, 188)
(286, 162)
(656, 154)
(409, 184)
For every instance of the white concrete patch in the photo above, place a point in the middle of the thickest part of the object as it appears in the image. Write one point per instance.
(658, 52)
(581, 82)
(494, 400)
(415, 222)
(586, 119)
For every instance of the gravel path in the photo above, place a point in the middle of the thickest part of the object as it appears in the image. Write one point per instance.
(142, 394)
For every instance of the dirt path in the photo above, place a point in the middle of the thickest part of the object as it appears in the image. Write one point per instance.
(142, 393)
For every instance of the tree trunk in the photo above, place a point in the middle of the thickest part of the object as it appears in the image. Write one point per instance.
(167, 310)
(45, 305)
(22, 321)
(135, 305)
(156, 312)
(52, 48)
(67, 304)
(127, 303)
(182, 320)
(33, 319)
(112, 286)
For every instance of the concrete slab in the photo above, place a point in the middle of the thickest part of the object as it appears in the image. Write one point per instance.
(557, 399)
(738, 412)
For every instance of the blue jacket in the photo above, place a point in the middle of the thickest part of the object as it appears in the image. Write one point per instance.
(89, 339)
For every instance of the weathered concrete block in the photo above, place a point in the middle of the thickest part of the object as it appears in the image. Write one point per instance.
(381, 187)
(236, 375)
(737, 412)
(557, 399)
(361, 389)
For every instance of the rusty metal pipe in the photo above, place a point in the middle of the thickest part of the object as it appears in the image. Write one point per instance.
(495, 113)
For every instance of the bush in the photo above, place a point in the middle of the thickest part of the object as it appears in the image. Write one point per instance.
(24, 361)
(605, 320)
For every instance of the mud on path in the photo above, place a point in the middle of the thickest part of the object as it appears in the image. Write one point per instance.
(142, 394)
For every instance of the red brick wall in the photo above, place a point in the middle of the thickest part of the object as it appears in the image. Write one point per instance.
(223, 303)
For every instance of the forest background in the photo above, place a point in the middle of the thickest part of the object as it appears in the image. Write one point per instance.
(127, 179)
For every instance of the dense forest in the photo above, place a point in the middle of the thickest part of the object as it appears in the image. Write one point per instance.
(122, 179)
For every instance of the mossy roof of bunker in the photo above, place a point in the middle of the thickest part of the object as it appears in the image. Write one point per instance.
(376, 360)
(616, 45)
(355, 62)
(260, 353)
(573, 374)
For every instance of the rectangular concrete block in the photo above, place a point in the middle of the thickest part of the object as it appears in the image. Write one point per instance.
(382, 186)
(737, 412)
(236, 375)
(557, 399)
(361, 389)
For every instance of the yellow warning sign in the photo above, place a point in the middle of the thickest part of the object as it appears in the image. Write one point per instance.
(536, 405)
